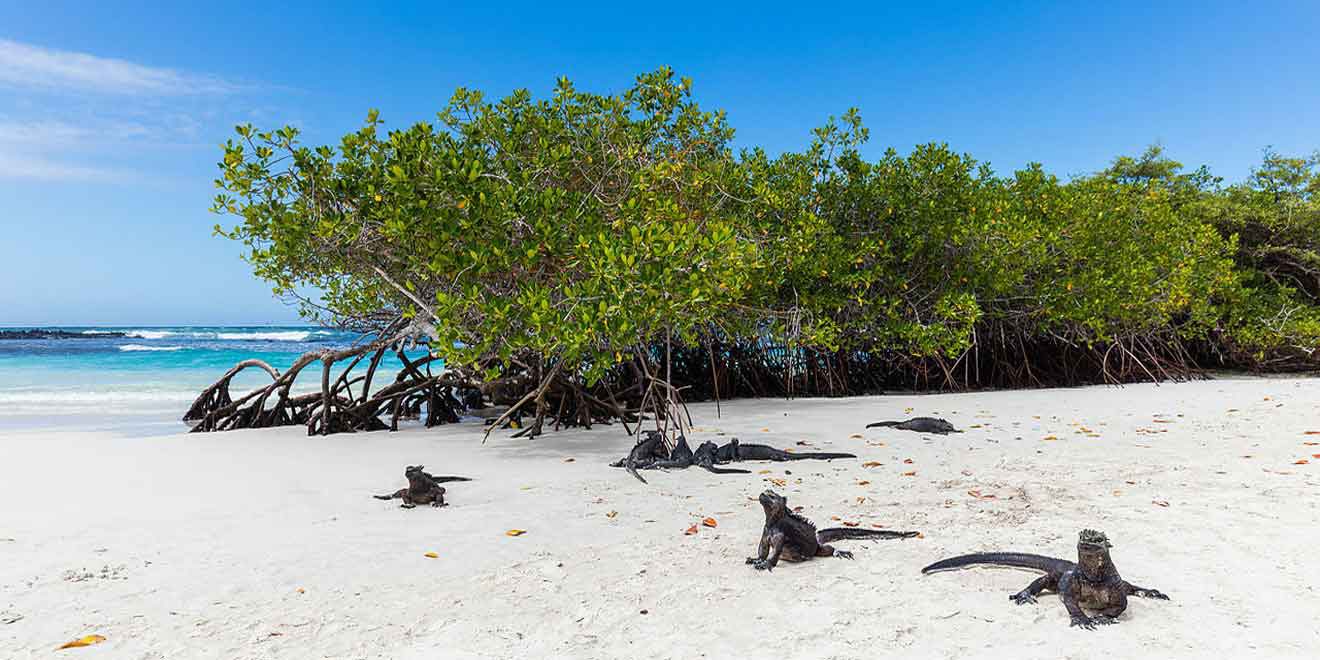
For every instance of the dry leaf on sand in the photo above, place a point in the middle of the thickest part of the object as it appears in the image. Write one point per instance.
(83, 641)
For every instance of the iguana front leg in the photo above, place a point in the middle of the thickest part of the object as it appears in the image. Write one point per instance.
(1142, 592)
(1117, 603)
(1029, 594)
(1077, 617)
(762, 549)
(1107, 617)
(776, 547)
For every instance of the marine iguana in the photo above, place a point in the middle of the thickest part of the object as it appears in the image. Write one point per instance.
(920, 425)
(423, 488)
(791, 537)
(679, 457)
(646, 452)
(442, 479)
(683, 457)
(1092, 582)
(707, 456)
(734, 451)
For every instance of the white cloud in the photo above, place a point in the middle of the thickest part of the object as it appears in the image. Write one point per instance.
(51, 133)
(40, 149)
(36, 168)
(33, 67)
(68, 116)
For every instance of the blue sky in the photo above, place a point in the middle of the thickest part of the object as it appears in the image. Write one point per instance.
(110, 116)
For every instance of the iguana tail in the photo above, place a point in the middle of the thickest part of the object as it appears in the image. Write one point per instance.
(726, 470)
(632, 469)
(819, 455)
(1012, 559)
(873, 425)
(833, 534)
(386, 497)
(447, 479)
(667, 464)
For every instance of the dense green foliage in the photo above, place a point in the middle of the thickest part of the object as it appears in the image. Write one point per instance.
(585, 230)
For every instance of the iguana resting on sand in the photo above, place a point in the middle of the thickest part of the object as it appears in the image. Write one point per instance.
(1092, 582)
(683, 457)
(647, 451)
(648, 456)
(679, 457)
(734, 451)
(423, 488)
(791, 537)
(707, 456)
(920, 425)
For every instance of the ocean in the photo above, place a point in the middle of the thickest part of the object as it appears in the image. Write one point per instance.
(141, 380)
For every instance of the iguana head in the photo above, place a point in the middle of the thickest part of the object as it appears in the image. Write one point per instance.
(649, 436)
(775, 505)
(1093, 553)
(413, 469)
(1092, 537)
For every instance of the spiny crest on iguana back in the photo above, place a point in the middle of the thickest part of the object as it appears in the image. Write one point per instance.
(798, 517)
(1093, 537)
(795, 517)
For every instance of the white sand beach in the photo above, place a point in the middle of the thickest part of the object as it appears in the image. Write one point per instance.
(267, 544)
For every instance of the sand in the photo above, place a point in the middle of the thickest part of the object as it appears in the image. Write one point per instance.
(266, 544)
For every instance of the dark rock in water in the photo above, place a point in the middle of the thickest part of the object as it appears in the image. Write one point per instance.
(38, 333)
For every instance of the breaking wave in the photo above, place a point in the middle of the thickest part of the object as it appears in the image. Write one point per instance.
(254, 335)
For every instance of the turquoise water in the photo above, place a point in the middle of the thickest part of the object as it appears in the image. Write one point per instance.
(143, 381)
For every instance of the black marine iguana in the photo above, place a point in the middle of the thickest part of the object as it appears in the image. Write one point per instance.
(683, 457)
(920, 425)
(423, 488)
(650, 454)
(1092, 582)
(646, 452)
(791, 537)
(734, 451)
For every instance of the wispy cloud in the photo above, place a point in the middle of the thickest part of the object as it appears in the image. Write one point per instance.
(79, 117)
(32, 167)
(53, 133)
(33, 67)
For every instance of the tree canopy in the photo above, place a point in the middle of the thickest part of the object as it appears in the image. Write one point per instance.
(583, 234)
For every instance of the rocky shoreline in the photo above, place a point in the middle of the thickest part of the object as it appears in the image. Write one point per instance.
(39, 333)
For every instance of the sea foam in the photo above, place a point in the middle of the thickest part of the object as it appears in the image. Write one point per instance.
(255, 335)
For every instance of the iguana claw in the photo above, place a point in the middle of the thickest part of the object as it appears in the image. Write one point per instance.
(1150, 593)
